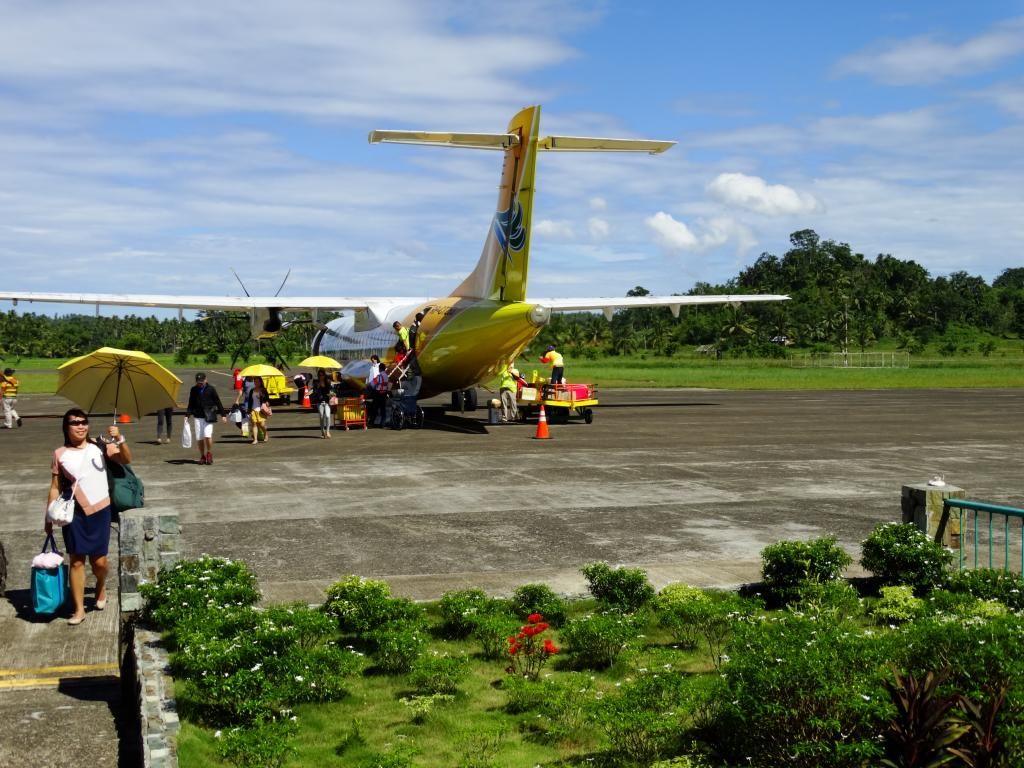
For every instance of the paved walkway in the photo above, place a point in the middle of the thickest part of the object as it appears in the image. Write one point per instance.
(688, 484)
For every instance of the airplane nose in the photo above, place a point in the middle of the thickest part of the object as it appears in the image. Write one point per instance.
(539, 315)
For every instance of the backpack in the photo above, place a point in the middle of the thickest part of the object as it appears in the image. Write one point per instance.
(126, 489)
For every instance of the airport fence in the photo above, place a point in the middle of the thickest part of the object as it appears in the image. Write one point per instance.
(898, 359)
(983, 530)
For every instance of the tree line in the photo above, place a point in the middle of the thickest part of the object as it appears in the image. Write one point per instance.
(839, 300)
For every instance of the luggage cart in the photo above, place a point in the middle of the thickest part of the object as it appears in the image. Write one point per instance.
(352, 412)
(560, 401)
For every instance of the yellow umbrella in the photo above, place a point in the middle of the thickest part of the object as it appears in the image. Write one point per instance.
(319, 361)
(120, 380)
(261, 369)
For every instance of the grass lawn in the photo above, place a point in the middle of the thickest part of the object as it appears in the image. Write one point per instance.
(472, 730)
(1001, 370)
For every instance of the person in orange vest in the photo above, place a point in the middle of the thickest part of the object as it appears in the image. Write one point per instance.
(9, 391)
(557, 364)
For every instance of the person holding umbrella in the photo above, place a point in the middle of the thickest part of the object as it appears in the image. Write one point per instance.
(204, 406)
(80, 464)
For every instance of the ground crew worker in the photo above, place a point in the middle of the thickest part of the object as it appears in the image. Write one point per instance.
(9, 390)
(508, 384)
(403, 334)
(557, 364)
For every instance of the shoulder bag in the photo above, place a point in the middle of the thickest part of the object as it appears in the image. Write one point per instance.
(126, 488)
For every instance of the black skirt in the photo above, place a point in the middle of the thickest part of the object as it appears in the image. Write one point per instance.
(88, 534)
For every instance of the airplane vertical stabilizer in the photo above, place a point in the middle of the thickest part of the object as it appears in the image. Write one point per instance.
(502, 270)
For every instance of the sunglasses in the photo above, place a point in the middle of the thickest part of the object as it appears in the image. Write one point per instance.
(78, 422)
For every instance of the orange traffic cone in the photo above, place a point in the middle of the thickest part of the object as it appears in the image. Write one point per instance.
(124, 418)
(305, 398)
(542, 426)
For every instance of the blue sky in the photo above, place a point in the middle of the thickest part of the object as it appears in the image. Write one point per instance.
(148, 149)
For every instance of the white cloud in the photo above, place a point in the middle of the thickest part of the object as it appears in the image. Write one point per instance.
(598, 204)
(670, 234)
(554, 229)
(754, 194)
(598, 228)
(923, 59)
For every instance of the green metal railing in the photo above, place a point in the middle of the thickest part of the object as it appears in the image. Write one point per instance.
(964, 507)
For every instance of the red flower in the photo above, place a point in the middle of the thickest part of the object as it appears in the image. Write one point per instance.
(513, 649)
(549, 647)
(534, 618)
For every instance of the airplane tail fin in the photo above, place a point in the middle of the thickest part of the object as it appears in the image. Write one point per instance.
(501, 272)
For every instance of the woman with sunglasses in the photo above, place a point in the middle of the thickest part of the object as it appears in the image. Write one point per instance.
(81, 464)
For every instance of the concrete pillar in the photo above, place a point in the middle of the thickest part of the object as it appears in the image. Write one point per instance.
(149, 541)
(922, 506)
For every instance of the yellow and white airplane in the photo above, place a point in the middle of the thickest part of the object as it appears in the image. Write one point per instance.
(470, 335)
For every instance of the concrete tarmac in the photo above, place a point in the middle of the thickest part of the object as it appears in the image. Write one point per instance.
(688, 484)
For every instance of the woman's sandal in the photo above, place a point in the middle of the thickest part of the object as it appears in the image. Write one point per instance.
(101, 604)
(74, 621)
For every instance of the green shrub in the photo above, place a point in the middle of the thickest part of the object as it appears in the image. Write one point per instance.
(788, 565)
(398, 645)
(492, 630)
(438, 673)
(421, 707)
(459, 610)
(900, 553)
(644, 720)
(989, 584)
(597, 639)
(716, 620)
(562, 704)
(212, 358)
(831, 600)
(266, 745)
(625, 589)
(897, 605)
(181, 356)
(538, 598)
(364, 605)
(192, 590)
(312, 626)
(677, 608)
(797, 691)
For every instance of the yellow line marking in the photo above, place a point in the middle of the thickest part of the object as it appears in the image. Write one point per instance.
(57, 670)
(50, 682)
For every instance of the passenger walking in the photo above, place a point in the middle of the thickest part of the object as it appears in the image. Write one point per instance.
(557, 364)
(204, 406)
(9, 391)
(259, 410)
(80, 464)
(241, 400)
(379, 387)
(163, 425)
(414, 331)
(325, 399)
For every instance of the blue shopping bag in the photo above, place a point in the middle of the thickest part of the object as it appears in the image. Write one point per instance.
(49, 585)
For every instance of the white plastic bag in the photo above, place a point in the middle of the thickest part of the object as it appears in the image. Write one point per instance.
(186, 434)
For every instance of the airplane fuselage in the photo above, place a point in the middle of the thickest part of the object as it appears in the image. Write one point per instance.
(461, 341)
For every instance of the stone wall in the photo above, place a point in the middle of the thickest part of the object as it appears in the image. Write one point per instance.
(154, 686)
(149, 542)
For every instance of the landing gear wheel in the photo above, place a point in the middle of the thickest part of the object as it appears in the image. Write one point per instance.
(588, 415)
(464, 400)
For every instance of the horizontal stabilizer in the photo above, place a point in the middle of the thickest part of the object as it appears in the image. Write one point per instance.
(586, 144)
(448, 139)
(507, 140)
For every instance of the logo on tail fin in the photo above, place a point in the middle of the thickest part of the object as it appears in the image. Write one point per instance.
(510, 223)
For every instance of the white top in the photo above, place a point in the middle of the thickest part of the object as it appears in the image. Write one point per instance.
(87, 465)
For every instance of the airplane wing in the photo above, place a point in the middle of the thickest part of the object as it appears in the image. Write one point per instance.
(221, 303)
(609, 305)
